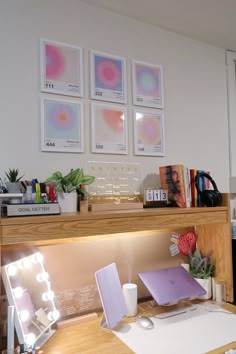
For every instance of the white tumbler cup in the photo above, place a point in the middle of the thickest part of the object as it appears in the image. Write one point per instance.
(130, 292)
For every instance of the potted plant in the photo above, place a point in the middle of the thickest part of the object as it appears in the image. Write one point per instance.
(68, 187)
(202, 269)
(13, 185)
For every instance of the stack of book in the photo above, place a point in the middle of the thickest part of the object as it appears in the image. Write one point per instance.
(179, 180)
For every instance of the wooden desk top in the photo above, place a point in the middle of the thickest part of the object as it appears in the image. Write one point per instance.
(89, 338)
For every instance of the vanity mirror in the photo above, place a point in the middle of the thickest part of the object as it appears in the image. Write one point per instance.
(28, 290)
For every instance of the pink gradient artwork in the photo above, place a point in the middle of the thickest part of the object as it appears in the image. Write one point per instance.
(62, 124)
(147, 83)
(62, 117)
(109, 129)
(55, 62)
(149, 133)
(148, 80)
(107, 77)
(61, 68)
(108, 73)
(114, 120)
(149, 130)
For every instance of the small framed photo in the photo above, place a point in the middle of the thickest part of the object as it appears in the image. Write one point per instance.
(147, 85)
(61, 68)
(109, 128)
(107, 77)
(149, 135)
(62, 126)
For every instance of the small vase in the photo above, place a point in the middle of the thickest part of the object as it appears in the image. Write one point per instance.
(207, 285)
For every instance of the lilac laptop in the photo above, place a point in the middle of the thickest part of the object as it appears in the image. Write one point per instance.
(169, 285)
(111, 295)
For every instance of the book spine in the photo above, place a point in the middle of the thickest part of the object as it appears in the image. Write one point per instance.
(193, 188)
(207, 183)
(187, 186)
(201, 187)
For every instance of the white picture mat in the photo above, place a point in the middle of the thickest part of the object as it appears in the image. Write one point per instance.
(106, 133)
(150, 75)
(71, 82)
(62, 142)
(108, 93)
(196, 332)
(145, 123)
(71, 85)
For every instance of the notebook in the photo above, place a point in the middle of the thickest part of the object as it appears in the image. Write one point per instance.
(169, 285)
(111, 295)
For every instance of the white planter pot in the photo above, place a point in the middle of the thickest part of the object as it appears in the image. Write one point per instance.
(67, 202)
(207, 285)
(14, 187)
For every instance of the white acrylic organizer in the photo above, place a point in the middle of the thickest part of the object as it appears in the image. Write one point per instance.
(114, 178)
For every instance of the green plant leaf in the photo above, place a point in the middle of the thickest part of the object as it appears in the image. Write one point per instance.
(88, 180)
(71, 181)
(12, 175)
(201, 266)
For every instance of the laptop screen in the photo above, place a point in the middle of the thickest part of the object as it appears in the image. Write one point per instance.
(169, 285)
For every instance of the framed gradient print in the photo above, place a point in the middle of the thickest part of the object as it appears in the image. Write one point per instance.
(61, 68)
(149, 135)
(62, 128)
(147, 85)
(109, 128)
(107, 77)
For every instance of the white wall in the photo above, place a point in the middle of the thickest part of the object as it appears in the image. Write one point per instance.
(194, 86)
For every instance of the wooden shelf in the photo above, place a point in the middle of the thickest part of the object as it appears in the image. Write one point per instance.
(212, 226)
(52, 229)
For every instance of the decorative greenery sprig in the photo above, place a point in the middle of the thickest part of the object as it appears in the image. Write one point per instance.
(12, 175)
(201, 266)
(71, 182)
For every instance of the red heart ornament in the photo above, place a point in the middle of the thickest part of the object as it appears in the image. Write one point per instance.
(187, 242)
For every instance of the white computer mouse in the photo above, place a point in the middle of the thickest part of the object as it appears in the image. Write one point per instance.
(144, 322)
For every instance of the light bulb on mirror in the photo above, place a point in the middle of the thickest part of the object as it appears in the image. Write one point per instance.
(11, 270)
(42, 277)
(20, 264)
(24, 263)
(17, 292)
(47, 296)
(27, 263)
(37, 258)
(53, 315)
(30, 339)
(24, 315)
